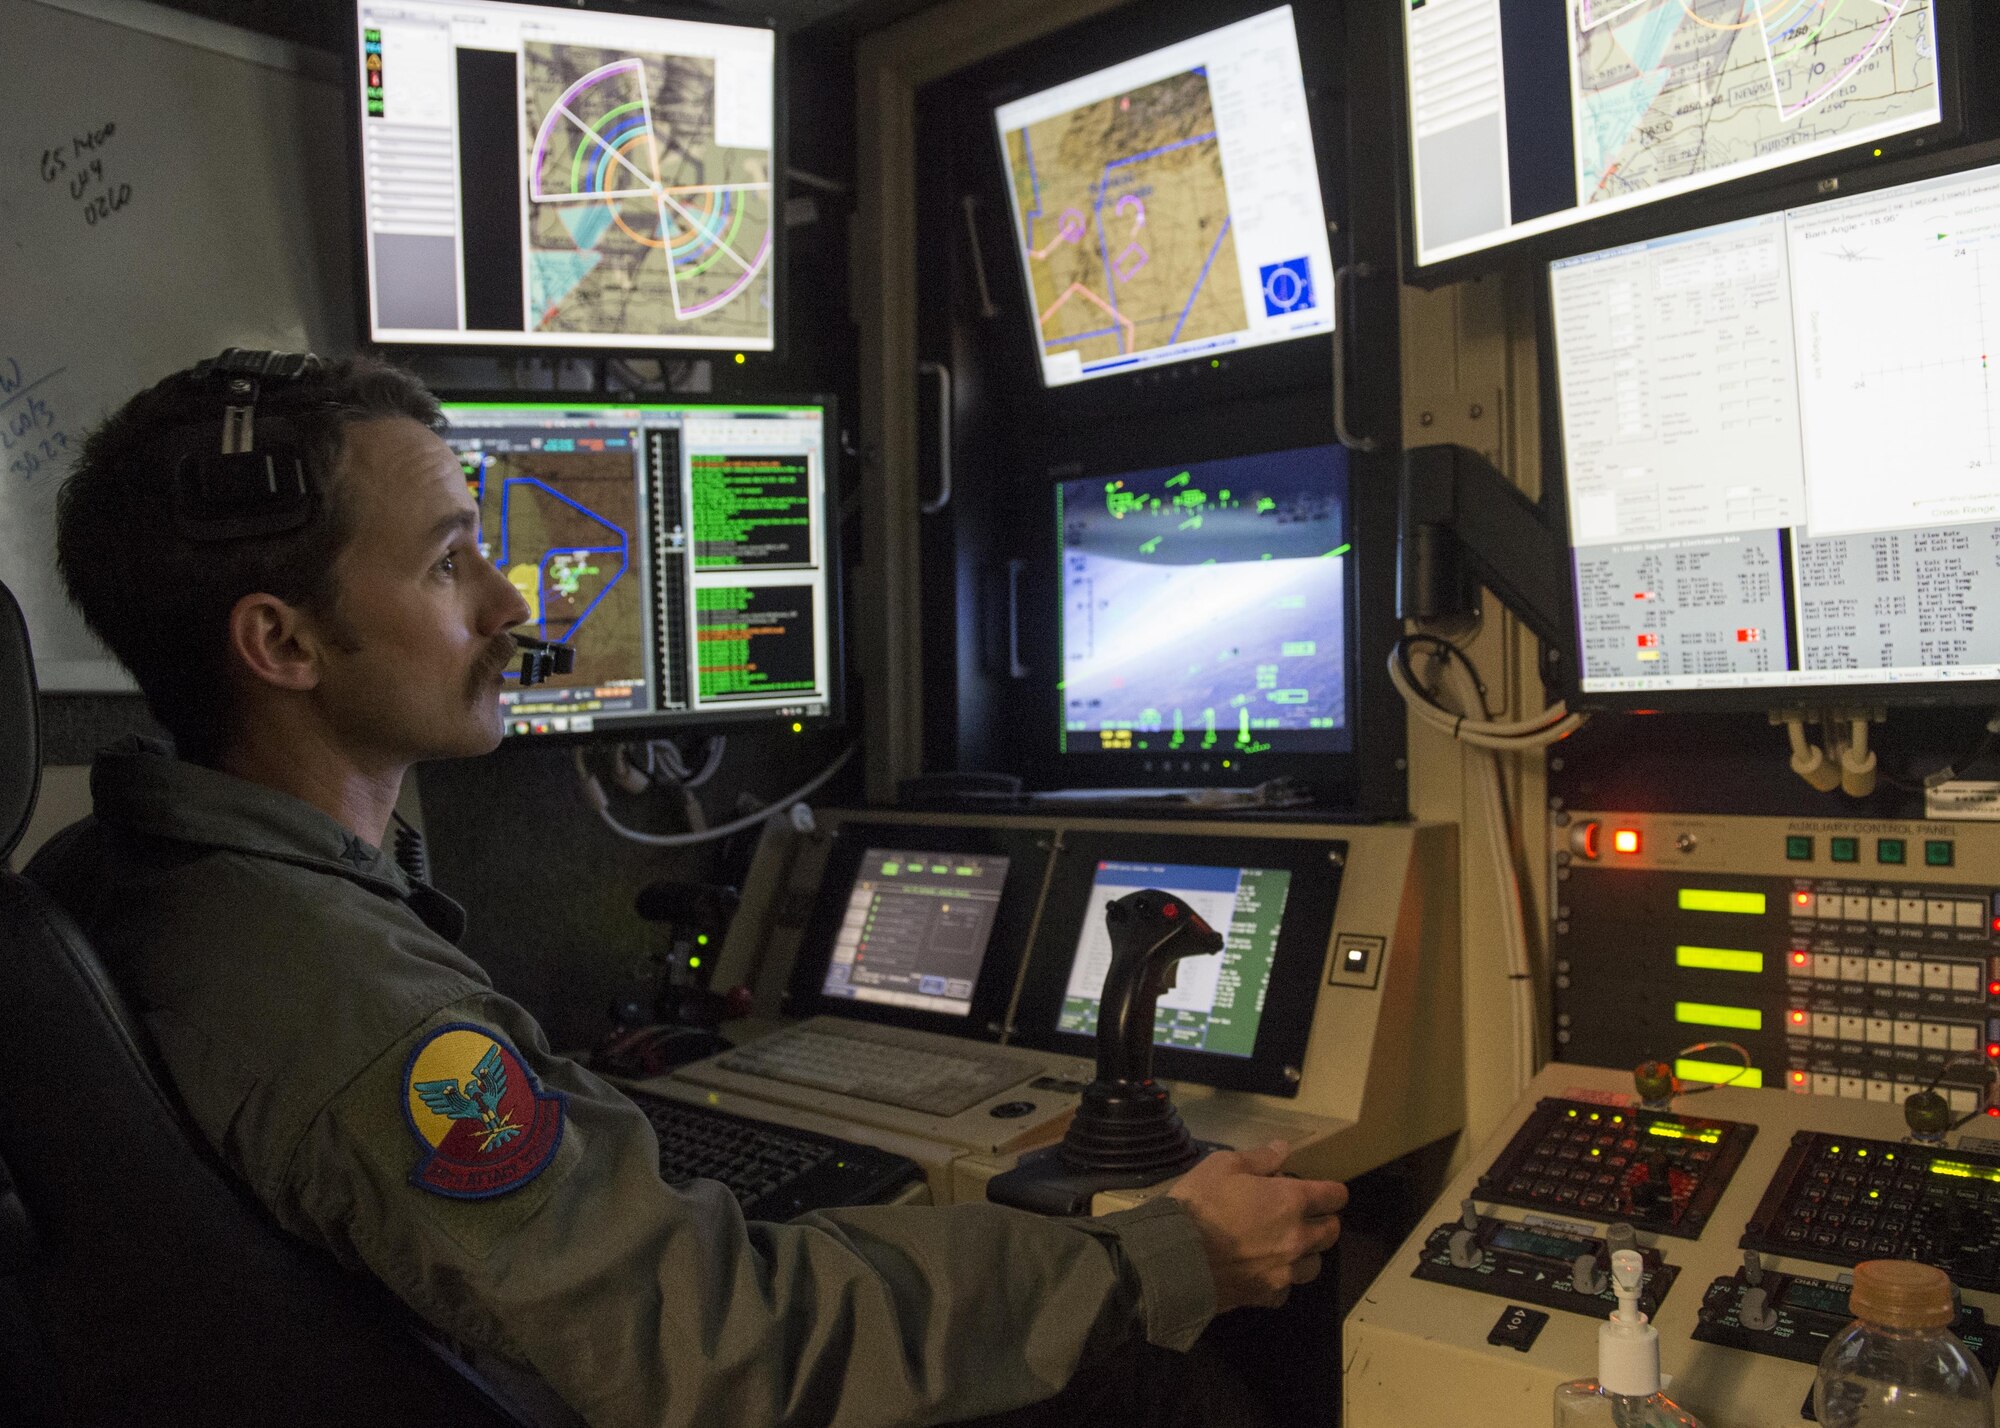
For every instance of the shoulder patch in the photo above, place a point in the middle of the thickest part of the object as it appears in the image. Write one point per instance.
(482, 1123)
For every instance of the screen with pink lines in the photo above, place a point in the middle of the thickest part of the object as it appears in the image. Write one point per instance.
(1168, 209)
(1528, 116)
(562, 178)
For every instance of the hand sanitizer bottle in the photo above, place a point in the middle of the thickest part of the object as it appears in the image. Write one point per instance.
(1626, 1392)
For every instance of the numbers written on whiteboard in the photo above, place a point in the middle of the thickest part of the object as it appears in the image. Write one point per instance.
(32, 439)
(78, 163)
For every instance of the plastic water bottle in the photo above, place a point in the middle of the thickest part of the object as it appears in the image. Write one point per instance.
(1899, 1362)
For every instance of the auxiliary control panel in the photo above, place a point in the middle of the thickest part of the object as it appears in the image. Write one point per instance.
(1852, 959)
(1749, 1216)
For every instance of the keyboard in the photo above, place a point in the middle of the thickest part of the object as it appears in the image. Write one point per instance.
(882, 1064)
(775, 1172)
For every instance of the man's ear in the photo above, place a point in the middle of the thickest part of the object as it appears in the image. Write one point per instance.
(275, 642)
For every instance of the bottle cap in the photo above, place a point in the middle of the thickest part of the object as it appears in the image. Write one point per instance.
(1901, 1294)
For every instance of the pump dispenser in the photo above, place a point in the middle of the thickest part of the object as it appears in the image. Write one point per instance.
(1626, 1392)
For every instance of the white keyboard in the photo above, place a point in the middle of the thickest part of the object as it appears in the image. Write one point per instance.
(880, 1063)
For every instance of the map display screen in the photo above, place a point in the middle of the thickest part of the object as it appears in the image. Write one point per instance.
(1529, 115)
(681, 550)
(535, 176)
(1771, 484)
(1204, 608)
(1169, 208)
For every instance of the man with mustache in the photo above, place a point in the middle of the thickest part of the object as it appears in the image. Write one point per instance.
(309, 1000)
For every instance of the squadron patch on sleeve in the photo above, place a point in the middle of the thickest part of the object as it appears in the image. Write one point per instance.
(483, 1124)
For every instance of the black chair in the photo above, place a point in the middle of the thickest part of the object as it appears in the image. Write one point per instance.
(139, 1283)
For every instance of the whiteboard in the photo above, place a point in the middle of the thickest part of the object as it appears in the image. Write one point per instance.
(168, 187)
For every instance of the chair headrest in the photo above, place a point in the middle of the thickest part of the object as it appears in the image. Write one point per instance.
(20, 729)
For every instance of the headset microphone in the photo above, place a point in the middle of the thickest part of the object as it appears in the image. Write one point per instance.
(542, 658)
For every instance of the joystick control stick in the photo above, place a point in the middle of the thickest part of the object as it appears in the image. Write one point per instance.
(1126, 1131)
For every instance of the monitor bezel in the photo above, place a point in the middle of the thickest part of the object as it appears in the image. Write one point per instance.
(1124, 35)
(658, 723)
(1802, 192)
(467, 343)
(1027, 851)
(1298, 963)
(1683, 210)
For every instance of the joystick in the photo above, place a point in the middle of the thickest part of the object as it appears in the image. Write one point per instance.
(1126, 1131)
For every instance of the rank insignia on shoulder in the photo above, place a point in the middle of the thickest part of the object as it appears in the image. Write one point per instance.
(483, 1124)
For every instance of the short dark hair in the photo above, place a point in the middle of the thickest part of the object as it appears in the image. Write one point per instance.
(160, 600)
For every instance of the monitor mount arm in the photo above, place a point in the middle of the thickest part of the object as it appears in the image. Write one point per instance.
(1126, 1132)
(1461, 522)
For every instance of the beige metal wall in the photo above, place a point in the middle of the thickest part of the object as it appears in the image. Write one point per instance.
(1468, 364)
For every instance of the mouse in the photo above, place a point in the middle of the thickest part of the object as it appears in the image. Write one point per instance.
(652, 1050)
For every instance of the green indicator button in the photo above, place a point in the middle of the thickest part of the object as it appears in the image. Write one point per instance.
(1937, 852)
(1708, 1014)
(1717, 900)
(1845, 850)
(1718, 959)
(1798, 848)
(1890, 850)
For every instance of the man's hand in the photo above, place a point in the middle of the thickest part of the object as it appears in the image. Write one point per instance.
(1263, 1232)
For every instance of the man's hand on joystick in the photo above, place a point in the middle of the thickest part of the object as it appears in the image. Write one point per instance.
(1264, 1232)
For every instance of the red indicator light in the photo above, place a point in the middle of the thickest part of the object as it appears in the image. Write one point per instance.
(1993, 1110)
(1798, 1078)
(1799, 959)
(1803, 899)
(1170, 909)
(1993, 1049)
(1625, 840)
(1798, 1018)
(1993, 989)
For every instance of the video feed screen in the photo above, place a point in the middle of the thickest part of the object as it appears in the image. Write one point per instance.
(1204, 607)
(1530, 115)
(916, 929)
(540, 176)
(682, 551)
(1217, 1001)
(1168, 208)
(1781, 441)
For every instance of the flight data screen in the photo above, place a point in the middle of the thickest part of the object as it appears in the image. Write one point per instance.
(916, 929)
(1783, 448)
(681, 550)
(1169, 207)
(554, 177)
(1204, 607)
(1217, 1000)
(1530, 115)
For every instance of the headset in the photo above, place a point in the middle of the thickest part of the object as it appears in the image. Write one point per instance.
(237, 489)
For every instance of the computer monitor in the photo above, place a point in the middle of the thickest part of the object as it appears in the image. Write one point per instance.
(1526, 116)
(1205, 616)
(1168, 208)
(919, 926)
(552, 177)
(1233, 1019)
(688, 552)
(1781, 445)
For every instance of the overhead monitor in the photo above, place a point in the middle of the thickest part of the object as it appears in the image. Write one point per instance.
(689, 553)
(1526, 116)
(553, 177)
(1782, 444)
(1168, 208)
(1205, 614)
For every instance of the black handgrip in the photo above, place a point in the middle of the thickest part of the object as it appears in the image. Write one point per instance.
(1150, 931)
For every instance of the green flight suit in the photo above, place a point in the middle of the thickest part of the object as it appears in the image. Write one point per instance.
(288, 971)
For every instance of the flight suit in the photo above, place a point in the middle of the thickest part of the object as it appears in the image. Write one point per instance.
(308, 1000)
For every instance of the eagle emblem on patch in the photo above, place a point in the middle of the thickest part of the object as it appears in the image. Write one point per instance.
(483, 1125)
